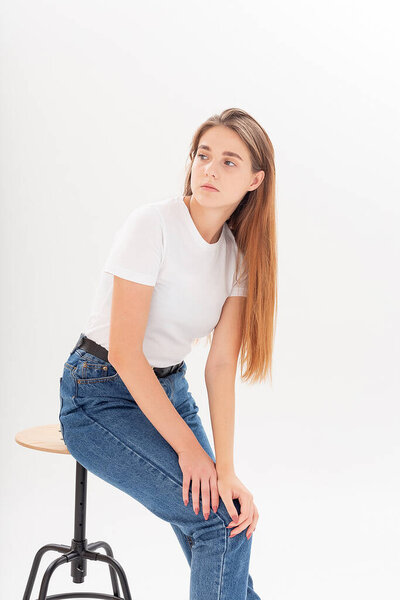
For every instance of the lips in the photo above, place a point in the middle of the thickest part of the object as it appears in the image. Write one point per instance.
(210, 187)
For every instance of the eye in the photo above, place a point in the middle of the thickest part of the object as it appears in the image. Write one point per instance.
(199, 155)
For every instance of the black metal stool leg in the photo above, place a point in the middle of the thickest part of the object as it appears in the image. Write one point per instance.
(36, 563)
(114, 581)
(112, 562)
(50, 570)
(78, 554)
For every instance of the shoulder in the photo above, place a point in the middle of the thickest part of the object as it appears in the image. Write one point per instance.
(146, 219)
(157, 211)
(138, 247)
(142, 227)
(145, 213)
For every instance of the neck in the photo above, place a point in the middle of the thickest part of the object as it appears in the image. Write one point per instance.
(209, 222)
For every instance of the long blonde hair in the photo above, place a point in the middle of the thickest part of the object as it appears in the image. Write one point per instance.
(253, 226)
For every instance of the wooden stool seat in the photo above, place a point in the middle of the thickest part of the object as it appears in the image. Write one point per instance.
(47, 438)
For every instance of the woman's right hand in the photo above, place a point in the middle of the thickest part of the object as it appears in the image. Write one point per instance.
(198, 467)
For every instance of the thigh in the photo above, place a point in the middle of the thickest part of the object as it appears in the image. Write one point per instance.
(106, 431)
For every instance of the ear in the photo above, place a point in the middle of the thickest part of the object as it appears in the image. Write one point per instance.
(257, 180)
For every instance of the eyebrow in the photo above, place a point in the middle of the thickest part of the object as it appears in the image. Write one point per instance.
(226, 153)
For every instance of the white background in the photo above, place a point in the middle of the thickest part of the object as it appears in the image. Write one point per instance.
(99, 101)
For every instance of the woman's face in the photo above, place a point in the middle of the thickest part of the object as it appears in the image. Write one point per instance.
(222, 160)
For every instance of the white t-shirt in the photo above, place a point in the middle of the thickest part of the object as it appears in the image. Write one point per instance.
(159, 245)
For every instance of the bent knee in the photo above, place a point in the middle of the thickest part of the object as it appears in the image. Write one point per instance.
(211, 533)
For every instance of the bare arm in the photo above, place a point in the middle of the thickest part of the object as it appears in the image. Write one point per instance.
(221, 398)
(129, 314)
(220, 373)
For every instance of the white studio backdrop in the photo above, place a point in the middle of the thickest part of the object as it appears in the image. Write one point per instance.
(99, 101)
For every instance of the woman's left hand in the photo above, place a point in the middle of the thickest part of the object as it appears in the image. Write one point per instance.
(229, 487)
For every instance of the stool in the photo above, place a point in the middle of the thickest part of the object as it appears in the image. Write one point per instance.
(48, 438)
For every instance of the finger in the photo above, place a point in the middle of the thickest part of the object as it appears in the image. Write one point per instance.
(246, 509)
(195, 495)
(254, 523)
(185, 488)
(252, 527)
(205, 497)
(241, 527)
(244, 521)
(230, 507)
(214, 494)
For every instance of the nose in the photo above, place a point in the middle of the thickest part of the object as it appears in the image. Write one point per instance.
(210, 169)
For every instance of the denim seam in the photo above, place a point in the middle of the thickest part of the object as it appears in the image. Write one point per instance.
(221, 577)
(96, 379)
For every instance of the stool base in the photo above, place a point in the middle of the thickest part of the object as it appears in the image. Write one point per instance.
(78, 554)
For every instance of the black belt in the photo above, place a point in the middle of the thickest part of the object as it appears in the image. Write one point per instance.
(94, 348)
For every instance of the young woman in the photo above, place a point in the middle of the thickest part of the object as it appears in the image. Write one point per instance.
(179, 269)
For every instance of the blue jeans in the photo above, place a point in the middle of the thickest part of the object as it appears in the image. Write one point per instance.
(107, 433)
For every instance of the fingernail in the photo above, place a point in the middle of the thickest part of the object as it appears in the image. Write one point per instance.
(185, 502)
(206, 516)
(232, 534)
(215, 509)
(196, 510)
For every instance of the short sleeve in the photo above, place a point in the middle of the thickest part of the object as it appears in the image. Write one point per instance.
(138, 247)
(239, 288)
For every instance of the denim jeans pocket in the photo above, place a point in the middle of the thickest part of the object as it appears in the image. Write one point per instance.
(91, 369)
